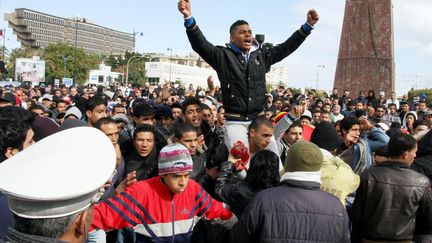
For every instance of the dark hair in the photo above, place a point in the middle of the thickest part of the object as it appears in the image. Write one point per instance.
(52, 228)
(263, 171)
(181, 128)
(104, 121)
(13, 128)
(400, 144)
(93, 102)
(236, 24)
(190, 101)
(142, 109)
(220, 108)
(294, 124)
(258, 122)
(382, 151)
(143, 128)
(348, 122)
(419, 123)
(325, 112)
(391, 104)
(205, 107)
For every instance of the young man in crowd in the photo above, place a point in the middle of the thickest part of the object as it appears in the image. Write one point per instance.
(95, 109)
(164, 208)
(393, 202)
(293, 134)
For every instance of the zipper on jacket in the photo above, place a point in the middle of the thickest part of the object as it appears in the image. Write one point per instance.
(173, 219)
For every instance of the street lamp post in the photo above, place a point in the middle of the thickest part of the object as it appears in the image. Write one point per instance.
(75, 52)
(317, 80)
(170, 60)
(135, 33)
(65, 60)
(127, 66)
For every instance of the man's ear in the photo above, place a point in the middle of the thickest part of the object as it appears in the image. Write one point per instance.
(83, 221)
(88, 113)
(9, 152)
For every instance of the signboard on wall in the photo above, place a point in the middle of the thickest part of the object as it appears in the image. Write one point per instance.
(27, 69)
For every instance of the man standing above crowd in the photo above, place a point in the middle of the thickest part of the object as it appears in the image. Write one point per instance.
(241, 68)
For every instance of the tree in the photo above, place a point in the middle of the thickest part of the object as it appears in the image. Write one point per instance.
(55, 55)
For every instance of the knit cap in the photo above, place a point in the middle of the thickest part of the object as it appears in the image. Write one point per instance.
(174, 158)
(325, 136)
(303, 156)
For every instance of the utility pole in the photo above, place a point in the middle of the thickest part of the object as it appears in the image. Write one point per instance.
(170, 60)
(75, 54)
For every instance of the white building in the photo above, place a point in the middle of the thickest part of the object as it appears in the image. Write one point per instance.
(160, 72)
(102, 76)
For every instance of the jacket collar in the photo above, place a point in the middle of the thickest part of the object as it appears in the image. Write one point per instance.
(310, 185)
(394, 163)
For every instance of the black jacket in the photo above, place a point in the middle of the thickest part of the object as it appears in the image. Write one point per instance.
(389, 202)
(242, 83)
(295, 211)
(237, 195)
(423, 163)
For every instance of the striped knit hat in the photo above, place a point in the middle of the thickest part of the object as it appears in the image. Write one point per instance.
(174, 158)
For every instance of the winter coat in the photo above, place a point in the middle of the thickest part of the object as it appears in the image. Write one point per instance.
(295, 211)
(423, 161)
(237, 195)
(391, 200)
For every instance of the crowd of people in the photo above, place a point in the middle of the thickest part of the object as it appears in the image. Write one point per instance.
(215, 164)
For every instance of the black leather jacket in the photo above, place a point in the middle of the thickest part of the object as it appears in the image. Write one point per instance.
(391, 200)
(242, 82)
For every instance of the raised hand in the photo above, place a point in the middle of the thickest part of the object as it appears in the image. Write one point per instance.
(312, 17)
(185, 8)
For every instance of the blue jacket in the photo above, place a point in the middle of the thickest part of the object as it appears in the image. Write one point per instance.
(5, 215)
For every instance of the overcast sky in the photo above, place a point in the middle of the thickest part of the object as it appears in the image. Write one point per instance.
(163, 28)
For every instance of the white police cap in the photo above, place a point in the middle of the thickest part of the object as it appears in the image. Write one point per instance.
(60, 175)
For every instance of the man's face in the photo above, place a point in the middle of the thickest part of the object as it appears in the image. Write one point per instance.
(144, 143)
(405, 107)
(97, 113)
(359, 106)
(220, 117)
(176, 183)
(146, 119)
(410, 156)
(111, 130)
(64, 91)
(293, 135)
(305, 121)
(119, 110)
(392, 109)
(325, 117)
(278, 105)
(422, 106)
(190, 141)
(208, 116)
(39, 112)
(327, 107)
(336, 110)
(61, 107)
(47, 103)
(261, 137)
(176, 112)
(379, 112)
(429, 119)
(193, 115)
(73, 91)
(317, 116)
(242, 37)
(352, 135)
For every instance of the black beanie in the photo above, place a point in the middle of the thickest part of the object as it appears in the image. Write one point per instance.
(325, 136)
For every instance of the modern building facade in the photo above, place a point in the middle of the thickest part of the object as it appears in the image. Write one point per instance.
(35, 29)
